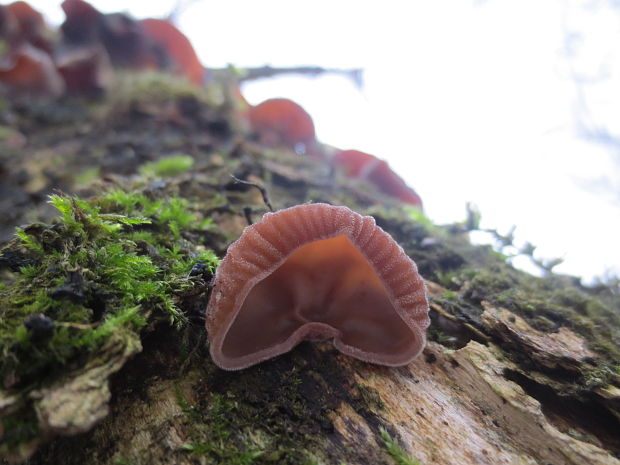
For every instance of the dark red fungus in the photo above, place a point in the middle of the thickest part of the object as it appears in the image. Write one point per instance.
(82, 23)
(367, 167)
(32, 28)
(85, 69)
(9, 27)
(282, 122)
(126, 43)
(316, 272)
(29, 71)
(174, 49)
(91, 43)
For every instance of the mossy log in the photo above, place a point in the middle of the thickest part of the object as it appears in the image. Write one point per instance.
(103, 291)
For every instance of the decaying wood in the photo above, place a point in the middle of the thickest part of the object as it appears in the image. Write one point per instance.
(495, 385)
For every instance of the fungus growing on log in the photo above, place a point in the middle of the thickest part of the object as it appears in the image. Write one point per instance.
(9, 27)
(175, 49)
(31, 24)
(282, 122)
(126, 43)
(367, 167)
(316, 272)
(29, 71)
(26, 69)
(82, 23)
(86, 69)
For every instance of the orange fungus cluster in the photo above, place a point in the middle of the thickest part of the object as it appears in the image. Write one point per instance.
(90, 45)
(82, 57)
(364, 166)
(316, 272)
(280, 122)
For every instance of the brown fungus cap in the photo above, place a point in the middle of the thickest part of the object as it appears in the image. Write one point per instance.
(316, 272)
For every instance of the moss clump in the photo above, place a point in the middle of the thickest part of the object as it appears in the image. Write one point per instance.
(87, 176)
(19, 427)
(168, 166)
(224, 427)
(395, 450)
(106, 265)
(151, 88)
(279, 412)
(548, 304)
(219, 444)
(173, 213)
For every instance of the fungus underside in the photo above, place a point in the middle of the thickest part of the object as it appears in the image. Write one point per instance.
(303, 290)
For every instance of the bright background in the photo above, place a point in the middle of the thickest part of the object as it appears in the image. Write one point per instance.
(514, 106)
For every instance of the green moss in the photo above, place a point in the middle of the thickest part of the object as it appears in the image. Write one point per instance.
(106, 266)
(220, 445)
(150, 88)
(417, 216)
(125, 202)
(546, 304)
(277, 412)
(122, 461)
(6, 132)
(19, 428)
(395, 450)
(129, 317)
(172, 211)
(28, 242)
(92, 255)
(370, 399)
(168, 166)
(87, 176)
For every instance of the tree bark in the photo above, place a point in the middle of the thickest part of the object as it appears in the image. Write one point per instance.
(518, 369)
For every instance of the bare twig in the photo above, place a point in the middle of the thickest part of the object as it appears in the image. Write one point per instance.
(247, 212)
(505, 241)
(250, 74)
(262, 190)
(179, 8)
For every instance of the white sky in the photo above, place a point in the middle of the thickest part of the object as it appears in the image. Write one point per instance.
(467, 101)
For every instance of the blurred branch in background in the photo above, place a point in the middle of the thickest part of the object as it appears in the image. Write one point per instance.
(179, 8)
(505, 243)
(355, 75)
(249, 74)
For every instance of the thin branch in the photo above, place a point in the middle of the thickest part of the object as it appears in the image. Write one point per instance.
(247, 212)
(250, 74)
(262, 190)
(179, 8)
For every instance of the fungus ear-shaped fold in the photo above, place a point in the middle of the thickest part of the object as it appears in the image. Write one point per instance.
(280, 121)
(179, 50)
(82, 23)
(31, 72)
(316, 272)
(364, 166)
(125, 42)
(86, 69)
(30, 23)
(9, 26)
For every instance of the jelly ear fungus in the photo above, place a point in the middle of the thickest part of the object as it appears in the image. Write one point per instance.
(316, 271)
